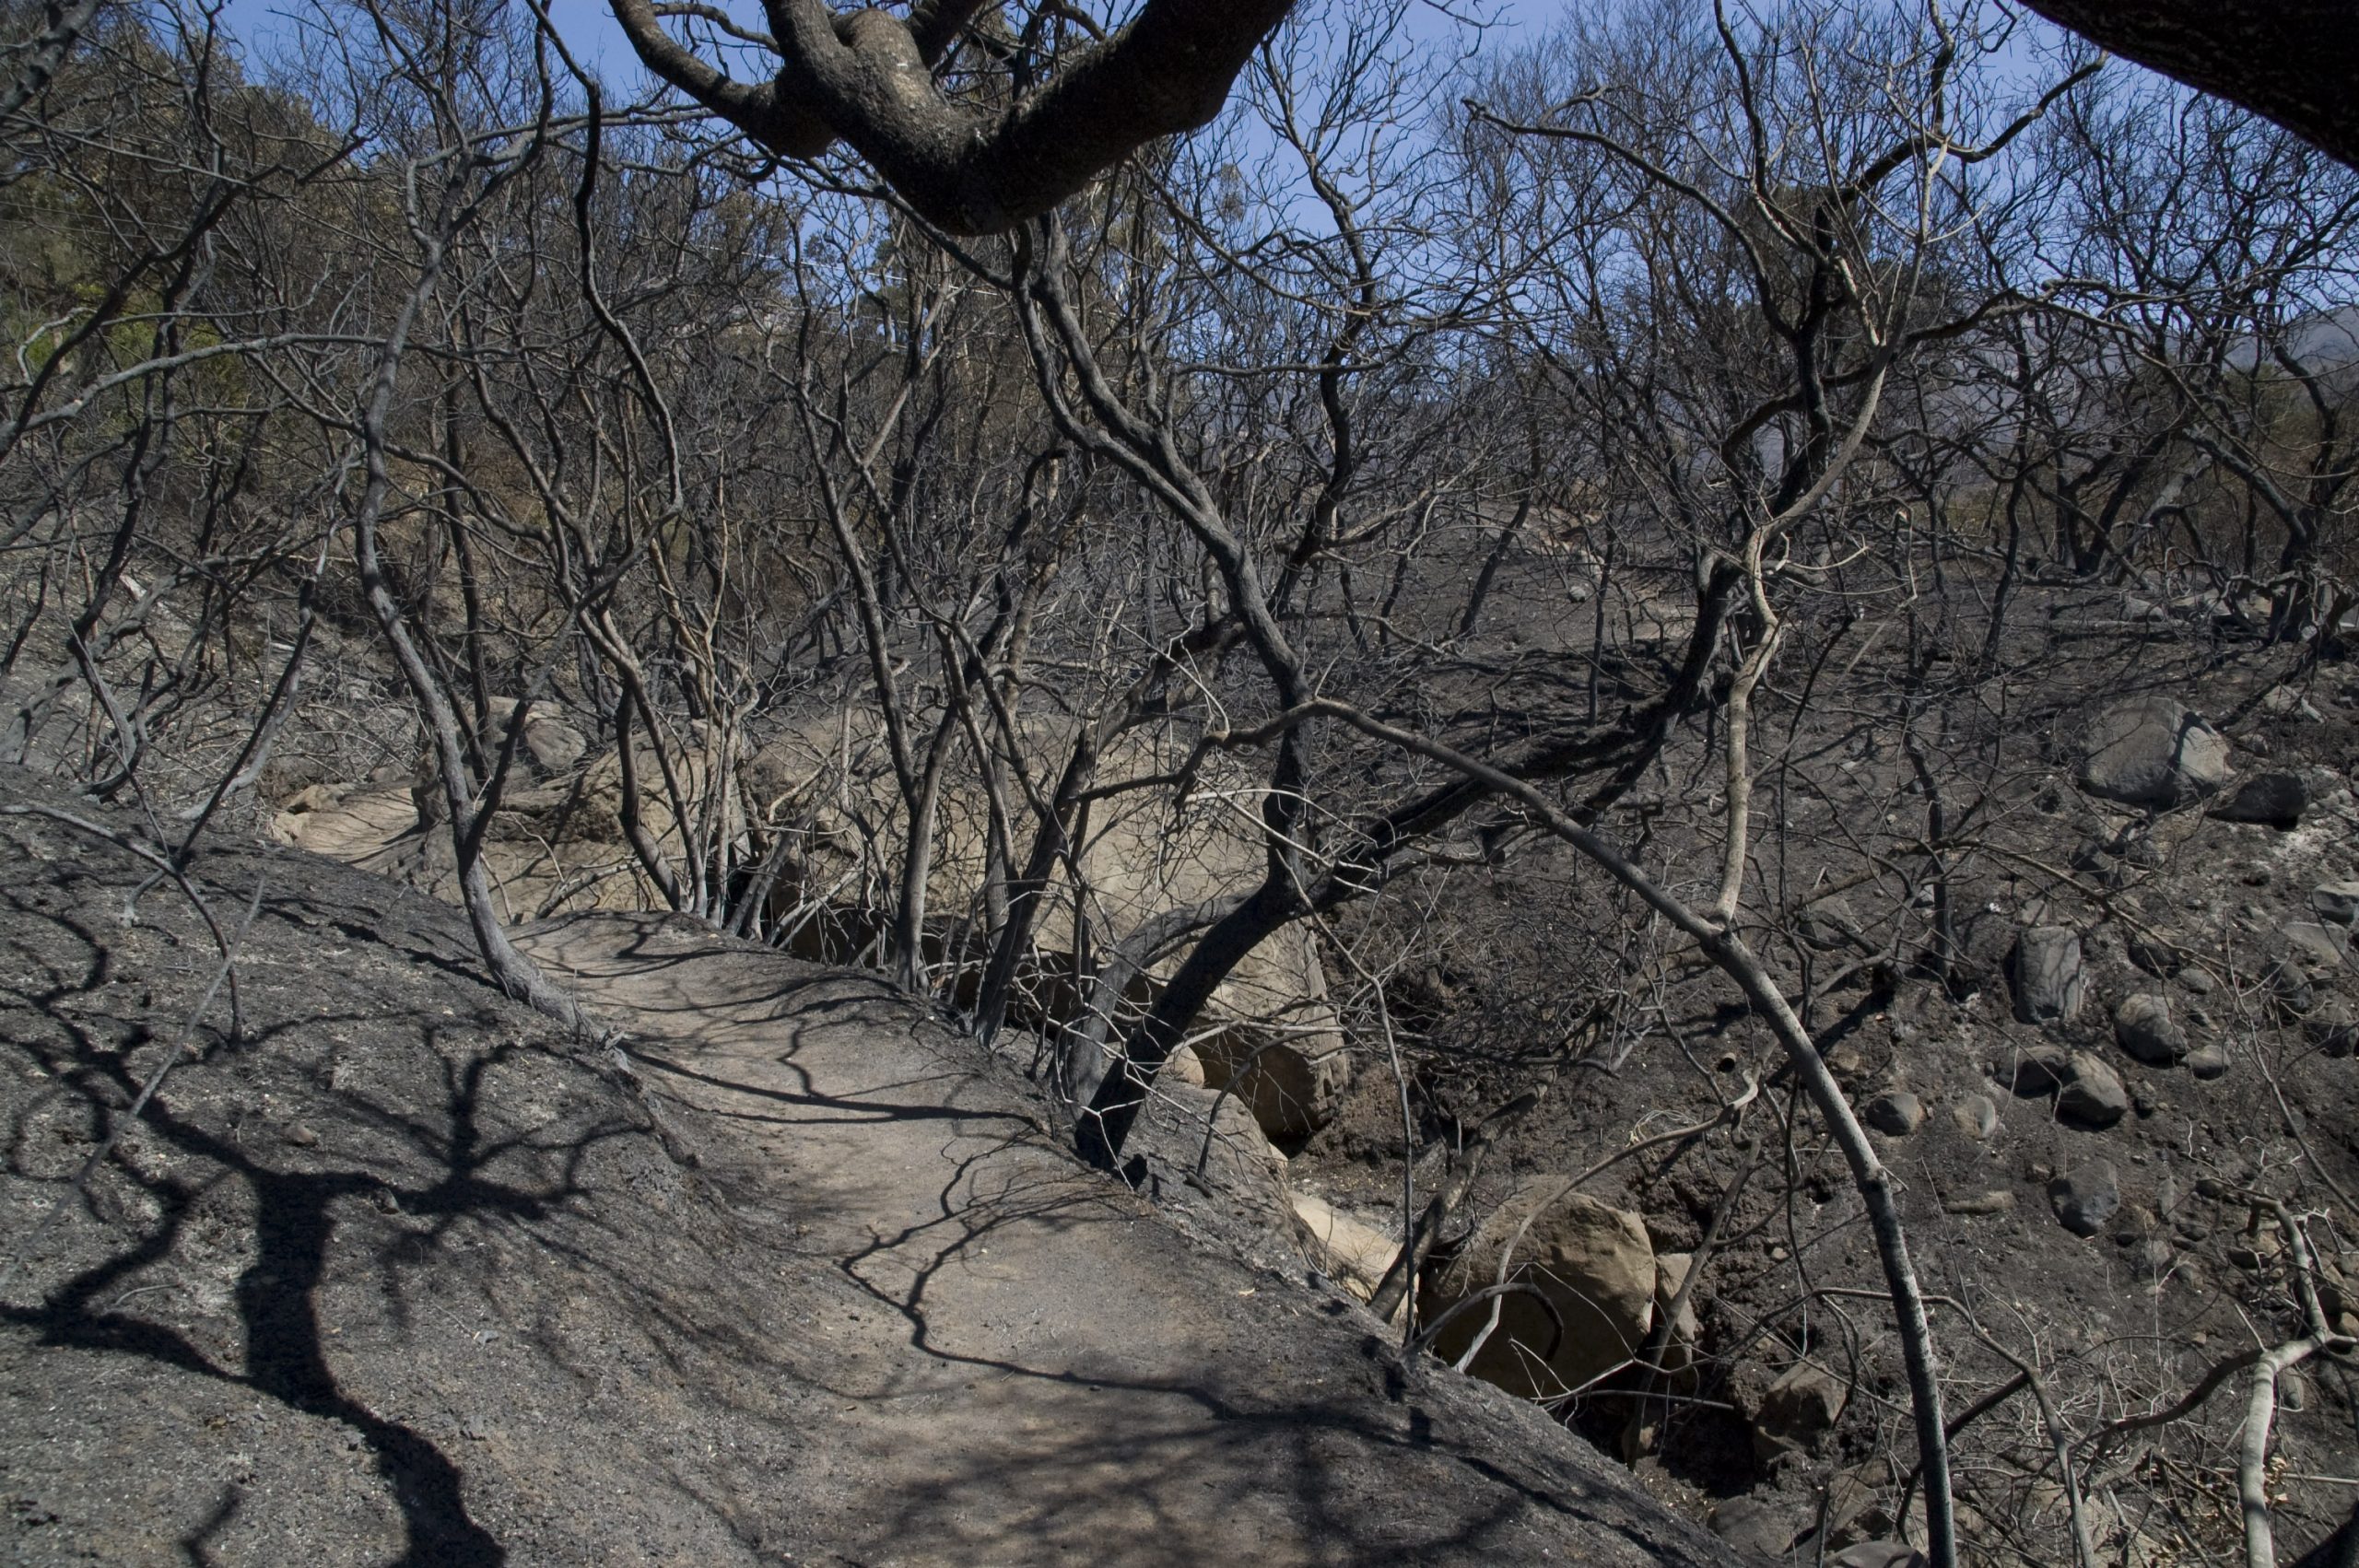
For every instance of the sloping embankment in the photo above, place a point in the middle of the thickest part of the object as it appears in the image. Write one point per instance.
(407, 1276)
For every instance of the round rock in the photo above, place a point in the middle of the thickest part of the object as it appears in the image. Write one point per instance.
(2143, 1025)
(2336, 903)
(2032, 1071)
(2085, 1199)
(2153, 752)
(1896, 1112)
(2274, 799)
(2095, 1097)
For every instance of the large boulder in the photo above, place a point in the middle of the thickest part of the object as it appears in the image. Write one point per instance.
(2049, 978)
(1279, 1048)
(2032, 1071)
(2334, 1030)
(1976, 1117)
(1593, 1262)
(549, 745)
(1752, 1525)
(2152, 751)
(1878, 1554)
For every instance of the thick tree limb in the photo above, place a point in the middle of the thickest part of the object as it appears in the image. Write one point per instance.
(969, 165)
(2292, 60)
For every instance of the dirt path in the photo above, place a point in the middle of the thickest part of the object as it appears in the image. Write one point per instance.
(1046, 1371)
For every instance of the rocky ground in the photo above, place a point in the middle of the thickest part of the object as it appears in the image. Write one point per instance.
(2143, 1035)
(2147, 1032)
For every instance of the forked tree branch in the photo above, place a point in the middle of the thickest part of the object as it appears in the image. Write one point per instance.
(969, 163)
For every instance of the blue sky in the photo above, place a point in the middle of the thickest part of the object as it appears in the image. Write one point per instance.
(590, 31)
(589, 28)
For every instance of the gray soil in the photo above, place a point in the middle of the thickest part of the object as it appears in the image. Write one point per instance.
(397, 1272)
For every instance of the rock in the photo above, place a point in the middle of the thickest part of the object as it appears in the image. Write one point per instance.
(1242, 1159)
(314, 797)
(550, 746)
(1292, 1089)
(2336, 903)
(1878, 1554)
(2332, 1030)
(2152, 751)
(1846, 1061)
(2315, 946)
(2290, 990)
(2048, 976)
(1183, 1066)
(1686, 1330)
(1802, 1405)
(1852, 1509)
(1356, 1254)
(2143, 1025)
(558, 813)
(2085, 1199)
(2033, 1070)
(1976, 1117)
(2153, 951)
(2252, 1256)
(2095, 1096)
(2091, 859)
(1593, 1262)
(2198, 980)
(553, 746)
(2275, 800)
(1750, 1525)
(2151, 1259)
(1895, 1113)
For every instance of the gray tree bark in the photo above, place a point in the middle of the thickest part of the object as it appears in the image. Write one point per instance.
(2290, 61)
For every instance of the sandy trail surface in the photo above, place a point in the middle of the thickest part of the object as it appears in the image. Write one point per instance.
(1035, 1368)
